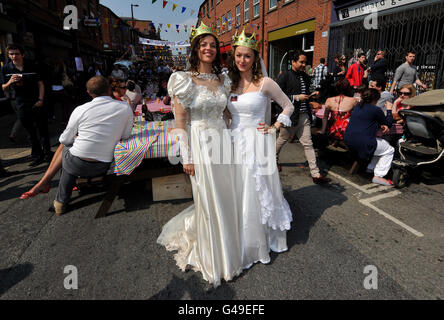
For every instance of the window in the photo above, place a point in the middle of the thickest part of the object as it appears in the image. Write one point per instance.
(203, 11)
(238, 17)
(212, 4)
(224, 25)
(272, 4)
(208, 9)
(255, 8)
(246, 9)
(229, 20)
(218, 27)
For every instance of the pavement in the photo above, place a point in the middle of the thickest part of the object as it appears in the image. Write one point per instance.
(339, 233)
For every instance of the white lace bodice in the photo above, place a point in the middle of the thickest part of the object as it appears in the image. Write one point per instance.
(202, 103)
(250, 109)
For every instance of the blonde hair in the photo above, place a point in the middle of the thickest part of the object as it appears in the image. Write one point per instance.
(410, 87)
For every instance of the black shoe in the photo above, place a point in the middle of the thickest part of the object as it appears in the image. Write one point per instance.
(321, 180)
(37, 161)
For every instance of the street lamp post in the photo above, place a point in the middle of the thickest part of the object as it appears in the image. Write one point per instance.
(132, 21)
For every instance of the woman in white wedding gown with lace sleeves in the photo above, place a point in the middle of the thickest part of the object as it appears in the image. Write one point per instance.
(206, 235)
(266, 213)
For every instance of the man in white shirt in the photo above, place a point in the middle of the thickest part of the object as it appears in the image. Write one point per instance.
(90, 137)
(117, 73)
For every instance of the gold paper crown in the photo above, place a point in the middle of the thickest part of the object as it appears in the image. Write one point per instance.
(243, 40)
(203, 29)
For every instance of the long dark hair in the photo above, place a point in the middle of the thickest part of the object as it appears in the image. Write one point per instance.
(369, 95)
(234, 72)
(194, 56)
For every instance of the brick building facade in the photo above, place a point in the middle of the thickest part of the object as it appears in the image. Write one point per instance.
(282, 25)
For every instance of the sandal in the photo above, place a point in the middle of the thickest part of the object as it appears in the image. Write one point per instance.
(30, 194)
(382, 181)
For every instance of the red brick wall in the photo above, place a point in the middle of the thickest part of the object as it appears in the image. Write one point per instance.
(286, 14)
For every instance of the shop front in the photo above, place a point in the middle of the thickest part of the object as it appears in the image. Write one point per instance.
(284, 41)
(394, 26)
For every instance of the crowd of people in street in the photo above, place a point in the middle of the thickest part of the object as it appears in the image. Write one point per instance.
(46, 93)
(239, 213)
(357, 89)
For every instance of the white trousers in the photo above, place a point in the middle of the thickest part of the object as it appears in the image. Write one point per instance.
(382, 158)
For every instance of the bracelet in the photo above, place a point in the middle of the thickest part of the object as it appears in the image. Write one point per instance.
(297, 97)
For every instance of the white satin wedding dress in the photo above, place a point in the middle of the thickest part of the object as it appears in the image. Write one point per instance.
(206, 235)
(266, 214)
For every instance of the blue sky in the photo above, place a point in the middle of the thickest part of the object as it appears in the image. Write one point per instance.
(155, 12)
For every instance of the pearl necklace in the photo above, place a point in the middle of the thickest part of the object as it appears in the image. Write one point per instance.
(205, 76)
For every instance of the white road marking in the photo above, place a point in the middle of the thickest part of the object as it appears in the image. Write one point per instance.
(368, 188)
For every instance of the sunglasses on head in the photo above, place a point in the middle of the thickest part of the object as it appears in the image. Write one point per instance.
(403, 93)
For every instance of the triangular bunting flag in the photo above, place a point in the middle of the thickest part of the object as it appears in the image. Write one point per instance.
(174, 6)
(192, 12)
(169, 25)
(160, 25)
(164, 3)
(154, 1)
(183, 9)
(177, 26)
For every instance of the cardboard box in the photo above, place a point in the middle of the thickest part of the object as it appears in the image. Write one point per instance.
(172, 187)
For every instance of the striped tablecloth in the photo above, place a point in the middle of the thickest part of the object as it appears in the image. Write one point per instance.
(149, 140)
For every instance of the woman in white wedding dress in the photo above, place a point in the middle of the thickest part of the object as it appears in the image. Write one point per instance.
(266, 214)
(206, 235)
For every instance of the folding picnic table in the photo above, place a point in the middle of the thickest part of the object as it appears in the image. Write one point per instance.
(149, 140)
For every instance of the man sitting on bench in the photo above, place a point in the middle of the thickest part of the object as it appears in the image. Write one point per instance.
(90, 137)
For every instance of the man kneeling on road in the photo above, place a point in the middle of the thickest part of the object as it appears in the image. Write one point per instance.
(90, 137)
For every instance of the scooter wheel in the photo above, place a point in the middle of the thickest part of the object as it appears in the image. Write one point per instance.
(399, 178)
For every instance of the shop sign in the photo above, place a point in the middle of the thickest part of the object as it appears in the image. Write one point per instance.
(368, 7)
(291, 31)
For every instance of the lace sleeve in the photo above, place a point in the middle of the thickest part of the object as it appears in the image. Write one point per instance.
(182, 119)
(272, 89)
(227, 84)
(180, 85)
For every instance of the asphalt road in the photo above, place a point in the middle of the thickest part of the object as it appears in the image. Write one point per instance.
(336, 233)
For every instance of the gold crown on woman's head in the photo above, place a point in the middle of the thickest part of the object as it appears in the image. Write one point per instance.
(243, 40)
(203, 29)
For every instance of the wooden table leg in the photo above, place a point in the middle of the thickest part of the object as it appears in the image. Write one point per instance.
(116, 183)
